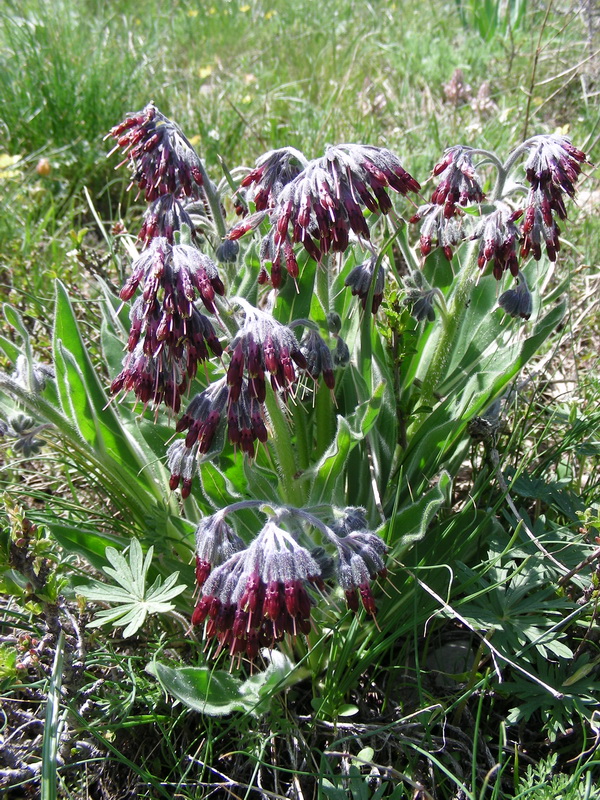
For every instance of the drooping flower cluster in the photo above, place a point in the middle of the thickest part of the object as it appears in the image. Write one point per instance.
(458, 185)
(162, 159)
(273, 171)
(324, 202)
(437, 230)
(168, 335)
(499, 237)
(552, 168)
(459, 182)
(262, 347)
(360, 561)
(251, 597)
(163, 217)
(258, 594)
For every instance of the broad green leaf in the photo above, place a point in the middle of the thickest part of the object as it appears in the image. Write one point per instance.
(410, 524)
(212, 692)
(295, 303)
(327, 484)
(216, 693)
(111, 436)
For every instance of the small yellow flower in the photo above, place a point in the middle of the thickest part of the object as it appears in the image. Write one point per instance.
(205, 72)
(193, 12)
(270, 14)
(246, 99)
(212, 11)
(194, 140)
(6, 162)
(244, 9)
(562, 130)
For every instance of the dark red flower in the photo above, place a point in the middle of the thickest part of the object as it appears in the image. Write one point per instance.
(162, 159)
(258, 595)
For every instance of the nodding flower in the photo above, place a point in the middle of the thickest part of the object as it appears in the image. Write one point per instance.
(263, 345)
(272, 171)
(459, 182)
(162, 160)
(552, 169)
(499, 239)
(216, 541)
(438, 230)
(259, 594)
(359, 561)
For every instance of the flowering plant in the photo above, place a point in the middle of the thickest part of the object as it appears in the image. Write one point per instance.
(320, 437)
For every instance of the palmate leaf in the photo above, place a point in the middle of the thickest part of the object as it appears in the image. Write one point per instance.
(134, 601)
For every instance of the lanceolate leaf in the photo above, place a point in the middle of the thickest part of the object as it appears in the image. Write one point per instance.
(74, 379)
(437, 436)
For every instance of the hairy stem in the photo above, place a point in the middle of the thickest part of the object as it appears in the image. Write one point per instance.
(451, 325)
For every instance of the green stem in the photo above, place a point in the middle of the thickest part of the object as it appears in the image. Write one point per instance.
(324, 421)
(214, 202)
(291, 487)
(299, 416)
(451, 324)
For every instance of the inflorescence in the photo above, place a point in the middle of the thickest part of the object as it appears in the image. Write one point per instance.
(252, 596)
(552, 169)
(322, 205)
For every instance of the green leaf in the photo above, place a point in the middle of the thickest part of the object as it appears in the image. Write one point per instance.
(134, 601)
(212, 692)
(216, 693)
(327, 485)
(410, 524)
(82, 394)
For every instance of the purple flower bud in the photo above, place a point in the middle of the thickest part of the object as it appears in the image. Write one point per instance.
(359, 280)
(517, 302)
(459, 182)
